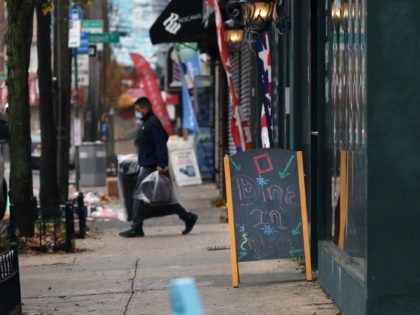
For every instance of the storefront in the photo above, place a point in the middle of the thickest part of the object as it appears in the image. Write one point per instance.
(371, 157)
(345, 77)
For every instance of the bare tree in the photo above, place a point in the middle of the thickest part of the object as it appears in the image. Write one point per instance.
(49, 194)
(62, 69)
(18, 39)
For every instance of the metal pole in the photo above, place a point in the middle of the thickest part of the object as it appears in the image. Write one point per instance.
(76, 114)
(69, 227)
(81, 213)
(111, 138)
(59, 74)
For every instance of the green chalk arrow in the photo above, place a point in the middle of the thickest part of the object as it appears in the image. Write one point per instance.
(295, 252)
(241, 256)
(283, 174)
(296, 230)
(236, 166)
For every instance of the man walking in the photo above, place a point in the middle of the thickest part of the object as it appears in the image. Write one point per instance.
(152, 154)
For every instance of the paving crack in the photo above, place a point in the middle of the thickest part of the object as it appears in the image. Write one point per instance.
(91, 294)
(132, 287)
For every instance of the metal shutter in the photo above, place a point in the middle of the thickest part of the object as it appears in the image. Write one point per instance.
(245, 88)
(241, 71)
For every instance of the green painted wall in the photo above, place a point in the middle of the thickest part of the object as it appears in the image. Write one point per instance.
(393, 240)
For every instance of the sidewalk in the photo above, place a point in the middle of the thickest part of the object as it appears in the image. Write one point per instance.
(112, 275)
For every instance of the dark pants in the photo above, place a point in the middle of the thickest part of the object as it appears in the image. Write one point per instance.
(143, 211)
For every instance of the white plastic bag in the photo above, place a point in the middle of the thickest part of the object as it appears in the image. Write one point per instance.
(157, 189)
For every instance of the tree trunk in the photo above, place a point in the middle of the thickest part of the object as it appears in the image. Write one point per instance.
(62, 68)
(19, 38)
(49, 195)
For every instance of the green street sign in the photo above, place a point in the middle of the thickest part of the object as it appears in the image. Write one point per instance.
(99, 24)
(105, 38)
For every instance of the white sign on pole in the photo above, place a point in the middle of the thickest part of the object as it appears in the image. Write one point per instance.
(82, 70)
(75, 28)
(77, 132)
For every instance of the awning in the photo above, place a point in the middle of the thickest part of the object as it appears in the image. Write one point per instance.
(181, 21)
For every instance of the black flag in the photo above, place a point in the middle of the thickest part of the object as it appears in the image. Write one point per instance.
(181, 21)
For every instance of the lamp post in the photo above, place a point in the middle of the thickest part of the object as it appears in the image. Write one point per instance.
(234, 28)
(234, 33)
(257, 14)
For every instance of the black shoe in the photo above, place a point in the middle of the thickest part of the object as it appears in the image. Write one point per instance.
(190, 222)
(132, 233)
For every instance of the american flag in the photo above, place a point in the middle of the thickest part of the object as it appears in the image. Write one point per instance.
(262, 49)
(239, 126)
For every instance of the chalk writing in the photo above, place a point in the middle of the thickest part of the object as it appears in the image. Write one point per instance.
(266, 205)
(244, 241)
(276, 218)
(268, 217)
(290, 196)
(247, 192)
(275, 193)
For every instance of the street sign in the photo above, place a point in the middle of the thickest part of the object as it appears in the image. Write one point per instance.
(106, 38)
(75, 27)
(82, 70)
(94, 27)
(75, 14)
(92, 51)
(74, 33)
(77, 132)
(93, 24)
(84, 44)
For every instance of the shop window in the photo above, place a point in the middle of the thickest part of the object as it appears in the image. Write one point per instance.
(346, 112)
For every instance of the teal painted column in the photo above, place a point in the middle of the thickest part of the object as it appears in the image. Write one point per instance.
(393, 219)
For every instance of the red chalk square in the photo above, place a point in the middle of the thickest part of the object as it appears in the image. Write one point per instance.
(263, 163)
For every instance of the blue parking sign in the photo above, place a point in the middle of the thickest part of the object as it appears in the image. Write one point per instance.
(84, 44)
(75, 13)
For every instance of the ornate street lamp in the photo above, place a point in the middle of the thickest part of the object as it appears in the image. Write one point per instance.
(234, 29)
(257, 14)
(234, 33)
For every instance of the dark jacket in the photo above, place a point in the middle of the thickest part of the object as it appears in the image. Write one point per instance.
(151, 141)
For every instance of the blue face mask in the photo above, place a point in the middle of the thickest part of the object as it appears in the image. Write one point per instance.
(139, 115)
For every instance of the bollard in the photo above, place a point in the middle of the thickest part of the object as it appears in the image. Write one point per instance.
(69, 227)
(12, 226)
(81, 213)
(35, 211)
(184, 297)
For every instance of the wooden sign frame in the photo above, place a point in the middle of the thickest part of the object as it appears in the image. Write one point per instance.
(344, 197)
(304, 213)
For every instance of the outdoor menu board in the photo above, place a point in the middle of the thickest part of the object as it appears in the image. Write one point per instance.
(266, 207)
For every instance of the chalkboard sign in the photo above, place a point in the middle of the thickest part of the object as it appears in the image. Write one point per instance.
(265, 188)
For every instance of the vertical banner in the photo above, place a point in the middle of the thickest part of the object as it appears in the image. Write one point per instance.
(189, 65)
(262, 49)
(188, 54)
(149, 85)
(240, 127)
